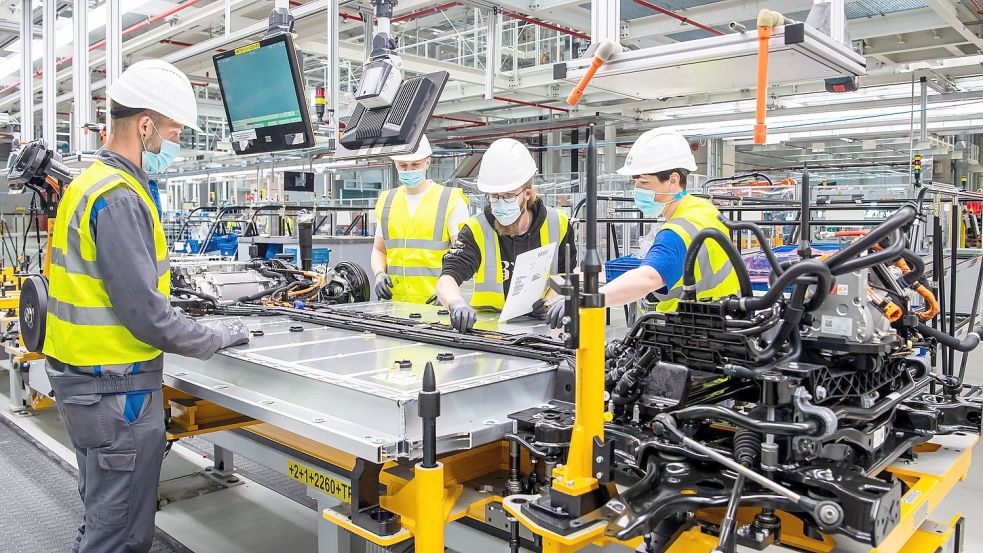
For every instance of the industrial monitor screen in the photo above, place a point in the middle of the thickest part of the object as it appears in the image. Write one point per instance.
(263, 96)
(294, 181)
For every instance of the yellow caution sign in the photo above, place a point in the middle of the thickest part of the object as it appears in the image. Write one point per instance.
(247, 48)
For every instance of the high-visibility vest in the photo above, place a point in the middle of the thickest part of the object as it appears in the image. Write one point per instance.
(715, 275)
(82, 328)
(489, 288)
(416, 244)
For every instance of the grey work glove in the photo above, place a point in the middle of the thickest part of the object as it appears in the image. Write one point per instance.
(463, 316)
(383, 286)
(555, 313)
(233, 332)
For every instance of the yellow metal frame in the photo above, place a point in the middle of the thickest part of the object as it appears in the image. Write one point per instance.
(926, 491)
(191, 416)
(438, 492)
(926, 538)
(577, 476)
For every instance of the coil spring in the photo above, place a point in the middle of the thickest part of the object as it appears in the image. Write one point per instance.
(747, 447)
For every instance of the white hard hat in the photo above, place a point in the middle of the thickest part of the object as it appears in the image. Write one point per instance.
(656, 151)
(506, 165)
(423, 151)
(159, 86)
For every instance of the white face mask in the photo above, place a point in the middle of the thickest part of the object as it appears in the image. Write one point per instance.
(507, 212)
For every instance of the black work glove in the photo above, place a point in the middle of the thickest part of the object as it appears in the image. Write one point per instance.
(383, 286)
(463, 315)
(555, 313)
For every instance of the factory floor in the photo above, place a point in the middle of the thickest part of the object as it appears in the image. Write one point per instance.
(201, 517)
(263, 513)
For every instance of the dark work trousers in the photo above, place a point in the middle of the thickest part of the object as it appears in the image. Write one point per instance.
(119, 469)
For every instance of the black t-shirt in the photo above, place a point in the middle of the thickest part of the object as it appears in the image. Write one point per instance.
(463, 259)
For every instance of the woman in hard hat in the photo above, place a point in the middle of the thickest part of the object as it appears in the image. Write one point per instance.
(109, 317)
(514, 222)
(415, 225)
(658, 163)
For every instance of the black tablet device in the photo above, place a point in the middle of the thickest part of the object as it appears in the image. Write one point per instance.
(264, 96)
(296, 181)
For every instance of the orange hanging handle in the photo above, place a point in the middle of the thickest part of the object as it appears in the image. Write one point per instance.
(603, 53)
(767, 21)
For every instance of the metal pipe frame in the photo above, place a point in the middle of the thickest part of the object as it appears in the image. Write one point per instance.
(923, 116)
(228, 18)
(334, 64)
(368, 21)
(837, 21)
(26, 73)
(491, 52)
(81, 77)
(114, 49)
(605, 21)
(49, 119)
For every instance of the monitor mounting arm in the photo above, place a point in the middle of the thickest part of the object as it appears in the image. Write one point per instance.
(280, 19)
(383, 43)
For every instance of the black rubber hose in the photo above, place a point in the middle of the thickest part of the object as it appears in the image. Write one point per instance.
(735, 178)
(916, 264)
(758, 233)
(689, 263)
(901, 217)
(805, 232)
(802, 268)
(207, 297)
(920, 200)
(968, 343)
(788, 332)
(264, 293)
(889, 254)
(807, 427)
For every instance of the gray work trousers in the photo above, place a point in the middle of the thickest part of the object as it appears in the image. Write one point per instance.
(119, 469)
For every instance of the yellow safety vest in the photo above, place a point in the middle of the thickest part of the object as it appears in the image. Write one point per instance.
(489, 288)
(82, 328)
(416, 244)
(715, 275)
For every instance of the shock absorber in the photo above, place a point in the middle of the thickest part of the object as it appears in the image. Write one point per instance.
(747, 447)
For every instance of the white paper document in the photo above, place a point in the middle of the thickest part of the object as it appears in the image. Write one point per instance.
(529, 281)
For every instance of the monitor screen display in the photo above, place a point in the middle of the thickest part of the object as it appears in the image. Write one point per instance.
(259, 88)
(294, 181)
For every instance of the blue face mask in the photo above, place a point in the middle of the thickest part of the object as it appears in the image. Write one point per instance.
(158, 162)
(646, 202)
(411, 179)
(506, 212)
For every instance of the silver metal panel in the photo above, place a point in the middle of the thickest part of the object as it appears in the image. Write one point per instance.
(727, 62)
(345, 388)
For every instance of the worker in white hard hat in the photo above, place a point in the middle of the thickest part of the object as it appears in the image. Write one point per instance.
(415, 225)
(659, 163)
(514, 222)
(109, 318)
